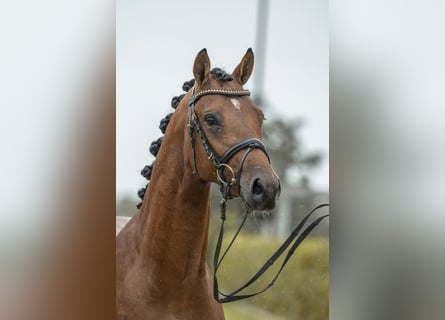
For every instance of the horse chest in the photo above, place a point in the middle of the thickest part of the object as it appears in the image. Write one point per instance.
(190, 299)
(181, 309)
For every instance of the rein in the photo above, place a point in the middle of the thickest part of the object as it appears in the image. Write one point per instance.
(298, 240)
(220, 164)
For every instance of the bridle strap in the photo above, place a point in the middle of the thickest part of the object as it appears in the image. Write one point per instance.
(221, 92)
(249, 143)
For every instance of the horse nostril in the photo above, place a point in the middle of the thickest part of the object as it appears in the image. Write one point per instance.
(257, 187)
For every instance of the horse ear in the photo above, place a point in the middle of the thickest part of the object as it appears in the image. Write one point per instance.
(201, 68)
(243, 71)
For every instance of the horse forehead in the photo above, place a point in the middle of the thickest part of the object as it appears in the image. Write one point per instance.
(240, 106)
(236, 104)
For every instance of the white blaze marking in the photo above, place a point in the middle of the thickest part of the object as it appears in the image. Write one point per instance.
(235, 103)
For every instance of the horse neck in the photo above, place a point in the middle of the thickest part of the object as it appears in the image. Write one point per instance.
(176, 214)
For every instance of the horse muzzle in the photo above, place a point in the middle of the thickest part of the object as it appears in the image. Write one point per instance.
(261, 191)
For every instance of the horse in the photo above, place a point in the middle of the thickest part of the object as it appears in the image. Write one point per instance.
(213, 136)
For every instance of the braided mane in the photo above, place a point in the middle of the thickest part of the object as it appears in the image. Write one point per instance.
(156, 145)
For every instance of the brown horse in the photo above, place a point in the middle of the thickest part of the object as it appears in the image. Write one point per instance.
(161, 253)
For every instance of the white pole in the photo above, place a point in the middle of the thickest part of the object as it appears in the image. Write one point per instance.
(260, 51)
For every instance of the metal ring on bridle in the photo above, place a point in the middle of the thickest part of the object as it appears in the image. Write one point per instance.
(221, 167)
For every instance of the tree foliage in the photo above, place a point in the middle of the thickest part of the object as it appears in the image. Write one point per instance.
(281, 137)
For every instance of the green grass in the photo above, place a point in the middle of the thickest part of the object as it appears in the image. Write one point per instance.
(247, 311)
(301, 291)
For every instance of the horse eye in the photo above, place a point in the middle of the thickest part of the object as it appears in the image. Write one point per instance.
(210, 120)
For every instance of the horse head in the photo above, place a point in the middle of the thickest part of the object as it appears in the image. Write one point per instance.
(224, 129)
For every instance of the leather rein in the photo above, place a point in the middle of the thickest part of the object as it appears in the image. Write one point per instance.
(221, 164)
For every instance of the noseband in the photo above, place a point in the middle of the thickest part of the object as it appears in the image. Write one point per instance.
(221, 163)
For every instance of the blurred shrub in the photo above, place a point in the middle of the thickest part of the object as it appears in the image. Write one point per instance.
(302, 290)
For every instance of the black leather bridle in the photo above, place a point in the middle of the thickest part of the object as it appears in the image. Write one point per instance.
(220, 164)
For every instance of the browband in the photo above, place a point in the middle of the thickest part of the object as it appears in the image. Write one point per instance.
(222, 92)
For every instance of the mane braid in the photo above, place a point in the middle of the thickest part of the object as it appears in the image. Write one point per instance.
(156, 145)
(220, 74)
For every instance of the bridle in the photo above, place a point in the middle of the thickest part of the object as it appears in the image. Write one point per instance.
(220, 164)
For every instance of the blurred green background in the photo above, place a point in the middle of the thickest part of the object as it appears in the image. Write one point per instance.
(300, 292)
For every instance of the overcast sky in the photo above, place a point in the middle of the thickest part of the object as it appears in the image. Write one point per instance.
(157, 42)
